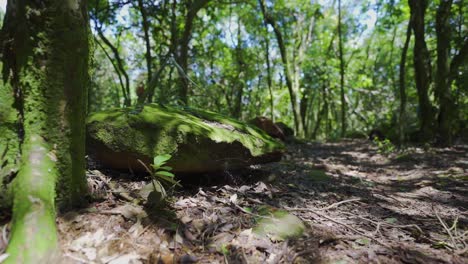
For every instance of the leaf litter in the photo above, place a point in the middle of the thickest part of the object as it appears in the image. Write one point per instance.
(355, 205)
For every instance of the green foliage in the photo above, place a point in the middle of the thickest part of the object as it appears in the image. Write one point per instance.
(160, 175)
(385, 146)
(227, 63)
(161, 172)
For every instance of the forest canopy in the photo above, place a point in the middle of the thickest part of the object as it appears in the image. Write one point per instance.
(327, 68)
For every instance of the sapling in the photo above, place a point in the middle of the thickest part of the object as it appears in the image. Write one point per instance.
(160, 172)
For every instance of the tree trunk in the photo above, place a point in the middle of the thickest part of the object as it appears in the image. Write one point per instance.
(402, 83)
(239, 86)
(422, 68)
(45, 48)
(269, 79)
(117, 71)
(322, 112)
(443, 82)
(342, 74)
(287, 68)
(148, 56)
(9, 143)
(183, 47)
(121, 67)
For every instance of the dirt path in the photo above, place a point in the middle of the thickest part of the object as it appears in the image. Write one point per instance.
(358, 207)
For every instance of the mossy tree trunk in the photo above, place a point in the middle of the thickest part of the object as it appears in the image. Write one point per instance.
(45, 60)
(9, 143)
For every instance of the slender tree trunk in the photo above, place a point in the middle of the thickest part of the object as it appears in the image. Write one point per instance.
(116, 69)
(402, 84)
(121, 66)
(422, 68)
(45, 48)
(183, 47)
(148, 56)
(322, 112)
(443, 82)
(239, 86)
(342, 73)
(287, 68)
(269, 79)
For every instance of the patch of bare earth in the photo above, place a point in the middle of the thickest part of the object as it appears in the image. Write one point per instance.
(358, 206)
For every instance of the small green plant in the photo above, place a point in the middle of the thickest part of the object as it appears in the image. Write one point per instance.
(224, 250)
(385, 146)
(162, 172)
(160, 175)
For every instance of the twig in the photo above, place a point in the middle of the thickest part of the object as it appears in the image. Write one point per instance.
(384, 223)
(340, 223)
(339, 203)
(113, 187)
(454, 244)
(249, 213)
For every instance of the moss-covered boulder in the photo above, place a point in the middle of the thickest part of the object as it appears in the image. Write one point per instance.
(199, 141)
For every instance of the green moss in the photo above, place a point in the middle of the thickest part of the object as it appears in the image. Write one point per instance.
(278, 224)
(33, 234)
(9, 143)
(181, 132)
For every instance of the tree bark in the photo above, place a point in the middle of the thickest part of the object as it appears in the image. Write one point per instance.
(183, 47)
(269, 79)
(148, 56)
(239, 86)
(46, 51)
(422, 68)
(402, 84)
(443, 81)
(121, 66)
(287, 68)
(342, 73)
(116, 69)
(9, 143)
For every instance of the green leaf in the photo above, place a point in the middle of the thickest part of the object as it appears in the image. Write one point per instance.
(165, 173)
(161, 159)
(363, 241)
(248, 209)
(166, 168)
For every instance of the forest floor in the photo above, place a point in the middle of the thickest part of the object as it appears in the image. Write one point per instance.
(358, 206)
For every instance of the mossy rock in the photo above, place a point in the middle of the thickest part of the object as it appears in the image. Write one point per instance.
(199, 141)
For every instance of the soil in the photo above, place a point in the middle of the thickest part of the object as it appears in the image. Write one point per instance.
(359, 205)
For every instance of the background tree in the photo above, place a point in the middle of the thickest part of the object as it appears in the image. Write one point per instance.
(206, 54)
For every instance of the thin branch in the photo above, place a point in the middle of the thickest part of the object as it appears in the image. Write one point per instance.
(339, 203)
(454, 244)
(339, 223)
